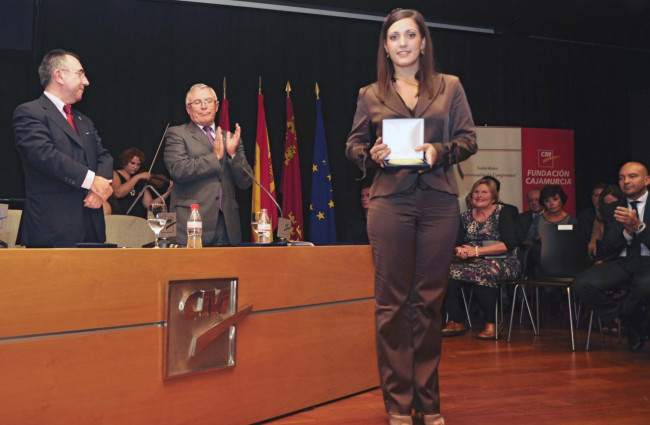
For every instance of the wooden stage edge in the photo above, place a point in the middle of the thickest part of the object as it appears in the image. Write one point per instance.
(82, 334)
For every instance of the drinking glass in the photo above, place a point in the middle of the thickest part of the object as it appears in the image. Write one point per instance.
(156, 222)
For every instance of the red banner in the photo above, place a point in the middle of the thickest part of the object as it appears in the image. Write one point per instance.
(547, 158)
(224, 115)
(291, 186)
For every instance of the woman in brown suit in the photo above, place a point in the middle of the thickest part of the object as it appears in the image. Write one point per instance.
(413, 216)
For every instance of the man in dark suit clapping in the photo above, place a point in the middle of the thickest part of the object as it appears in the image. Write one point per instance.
(67, 170)
(627, 258)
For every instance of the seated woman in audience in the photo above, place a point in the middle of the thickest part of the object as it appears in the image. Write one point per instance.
(611, 193)
(486, 253)
(553, 197)
(127, 184)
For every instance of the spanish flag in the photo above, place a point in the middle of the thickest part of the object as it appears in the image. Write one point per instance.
(263, 168)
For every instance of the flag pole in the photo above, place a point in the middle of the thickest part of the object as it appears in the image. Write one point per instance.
(317, 91)
(224, 88)
(288, 88)
(260, 89)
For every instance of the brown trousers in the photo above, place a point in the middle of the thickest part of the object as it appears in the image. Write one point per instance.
(412, 237)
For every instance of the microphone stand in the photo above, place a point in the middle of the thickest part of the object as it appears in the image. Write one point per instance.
(153, 189)
(137, 198)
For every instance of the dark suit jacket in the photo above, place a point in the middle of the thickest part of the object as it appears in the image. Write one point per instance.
(613, 240)
(586, 220)
(55, 161)
(448, 126)
(512, 210)
(198, 174)
(524, 220)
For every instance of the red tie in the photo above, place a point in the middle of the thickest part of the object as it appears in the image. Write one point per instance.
(68, 115)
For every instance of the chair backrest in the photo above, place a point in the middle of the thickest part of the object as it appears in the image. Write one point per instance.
(11, 230)
(128, 231)
(564, 253)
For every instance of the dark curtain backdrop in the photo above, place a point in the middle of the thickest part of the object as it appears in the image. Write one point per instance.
(142, 56)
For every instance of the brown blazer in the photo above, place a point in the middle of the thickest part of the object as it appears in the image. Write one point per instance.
(448, 126)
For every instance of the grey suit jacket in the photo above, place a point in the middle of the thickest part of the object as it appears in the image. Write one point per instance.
(448, 126)
(55, 161)
(198, 175)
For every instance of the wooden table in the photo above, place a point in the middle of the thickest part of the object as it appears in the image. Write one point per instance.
(81, 334)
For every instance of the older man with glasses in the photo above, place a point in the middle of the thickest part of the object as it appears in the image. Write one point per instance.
(206, 163)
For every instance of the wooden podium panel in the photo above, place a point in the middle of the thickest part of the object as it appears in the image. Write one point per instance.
(58, 290)
(82, 334)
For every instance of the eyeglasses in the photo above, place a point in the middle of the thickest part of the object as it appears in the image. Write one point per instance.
(81, 73)
(206, 102)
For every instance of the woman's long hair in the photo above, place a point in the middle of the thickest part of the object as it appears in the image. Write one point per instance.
(385, 68)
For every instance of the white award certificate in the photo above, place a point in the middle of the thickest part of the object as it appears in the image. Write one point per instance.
(402, 137)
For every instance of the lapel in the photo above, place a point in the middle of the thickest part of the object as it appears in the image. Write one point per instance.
(646, 216)
(394, 102)
(199, 135)
(424, 102)
(59, 120)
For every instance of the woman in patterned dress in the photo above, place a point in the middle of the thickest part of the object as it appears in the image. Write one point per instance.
(486, 253)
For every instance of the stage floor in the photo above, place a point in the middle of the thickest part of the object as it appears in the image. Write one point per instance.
(531, 380)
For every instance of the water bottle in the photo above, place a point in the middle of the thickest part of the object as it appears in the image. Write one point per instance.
(194, 228)
(264, 227)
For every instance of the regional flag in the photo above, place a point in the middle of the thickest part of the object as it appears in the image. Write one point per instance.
(291, 187)
(224, 115)
(322, 228)
(263, 168)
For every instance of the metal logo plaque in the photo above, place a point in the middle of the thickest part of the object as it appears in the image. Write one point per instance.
(201, 319)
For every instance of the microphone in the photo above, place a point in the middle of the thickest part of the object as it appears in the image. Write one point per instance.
(284, 224)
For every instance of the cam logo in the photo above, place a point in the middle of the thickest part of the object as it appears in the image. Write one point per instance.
(216, 303)
(545, 158)
(202, 315)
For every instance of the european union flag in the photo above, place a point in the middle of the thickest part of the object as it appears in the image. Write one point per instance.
(322, 229)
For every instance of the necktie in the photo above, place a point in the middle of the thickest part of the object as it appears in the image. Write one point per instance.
(633, 256)
(208, 132)
(68, 115)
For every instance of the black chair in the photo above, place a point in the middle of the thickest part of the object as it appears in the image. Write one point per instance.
(563, 256)
(498, 308)
(602, 334)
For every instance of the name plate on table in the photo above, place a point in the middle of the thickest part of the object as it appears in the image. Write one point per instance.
(402, 137)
